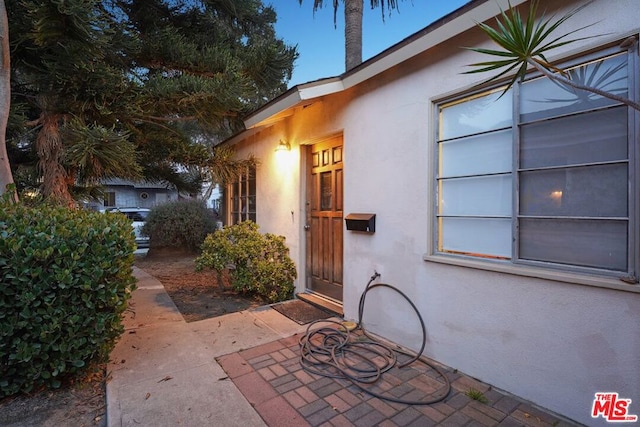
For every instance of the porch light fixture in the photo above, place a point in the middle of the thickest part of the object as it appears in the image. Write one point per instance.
(283, 146)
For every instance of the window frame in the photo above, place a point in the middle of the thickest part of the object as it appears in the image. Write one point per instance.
(439, 181)
(108, 197)
(544, 269)
(242, 191)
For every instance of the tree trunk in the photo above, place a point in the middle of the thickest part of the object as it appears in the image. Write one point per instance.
(6, 178)
(49, 147)
(353, 10)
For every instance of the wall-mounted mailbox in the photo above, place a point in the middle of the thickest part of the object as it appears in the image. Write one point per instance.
(361, 222)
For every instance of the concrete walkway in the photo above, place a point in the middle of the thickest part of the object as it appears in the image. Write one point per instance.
(163, 370)
(243, 369)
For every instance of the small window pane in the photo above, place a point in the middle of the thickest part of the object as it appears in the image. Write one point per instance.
(478, 196)
(326, 192)
(476, 115)
(110, 199)
(338, 190)
(475, 155)
(589, 243)
(594, 137)
(544, 97)
(477, 236)
(591, 191)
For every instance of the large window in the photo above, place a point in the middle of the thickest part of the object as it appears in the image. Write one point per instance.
(542, 174)
(241, 197)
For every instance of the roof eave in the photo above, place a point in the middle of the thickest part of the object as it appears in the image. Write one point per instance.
(445, 28)
(291, 98)
(434, 34)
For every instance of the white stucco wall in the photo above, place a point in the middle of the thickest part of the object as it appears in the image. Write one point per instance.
(552, 342)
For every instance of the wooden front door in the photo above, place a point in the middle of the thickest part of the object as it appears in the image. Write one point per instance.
(325, 219)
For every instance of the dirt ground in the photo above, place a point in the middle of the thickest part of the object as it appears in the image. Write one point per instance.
(83, 403)
(78, 404)
(197, 295)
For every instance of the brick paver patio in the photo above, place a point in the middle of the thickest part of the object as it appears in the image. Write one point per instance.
(272, 379)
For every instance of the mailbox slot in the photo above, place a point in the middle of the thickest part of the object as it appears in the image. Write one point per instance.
(365, 222)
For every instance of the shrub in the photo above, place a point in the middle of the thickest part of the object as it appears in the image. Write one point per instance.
(258, 263)
(181, 224)
(66, 277)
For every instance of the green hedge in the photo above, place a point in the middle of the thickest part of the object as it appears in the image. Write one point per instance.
(65, 280)
(258, 263)
(181, 224)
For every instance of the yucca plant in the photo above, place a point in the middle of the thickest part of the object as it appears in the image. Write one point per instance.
(525, 42)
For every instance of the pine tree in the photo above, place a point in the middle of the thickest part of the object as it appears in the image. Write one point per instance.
(138, 89)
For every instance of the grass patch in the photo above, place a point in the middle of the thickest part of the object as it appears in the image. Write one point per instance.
(476, 395)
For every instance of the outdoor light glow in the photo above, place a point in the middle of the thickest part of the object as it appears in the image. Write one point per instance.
(284, 157)
(283, 146)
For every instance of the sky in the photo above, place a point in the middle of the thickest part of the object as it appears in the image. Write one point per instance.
(321, 44)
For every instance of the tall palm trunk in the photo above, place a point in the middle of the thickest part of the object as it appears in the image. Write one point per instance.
(6, 178)
(353, 11)
(353, 16)
(49, 147)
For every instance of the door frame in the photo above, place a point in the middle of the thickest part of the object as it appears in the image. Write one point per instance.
(334, 140)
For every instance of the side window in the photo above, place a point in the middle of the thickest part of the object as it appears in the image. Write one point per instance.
(109, 199)
(542, 174)
(137, 216)
(241, 198)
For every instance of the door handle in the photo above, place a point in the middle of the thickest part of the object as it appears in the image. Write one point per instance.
(307, 227)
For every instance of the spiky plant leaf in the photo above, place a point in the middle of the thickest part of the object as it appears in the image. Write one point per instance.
(523, 41)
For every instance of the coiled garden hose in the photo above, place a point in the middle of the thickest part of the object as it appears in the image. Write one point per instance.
(333, 351)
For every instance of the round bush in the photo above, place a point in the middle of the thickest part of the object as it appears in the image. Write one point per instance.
(66, 278)
(257, 263)
(181, 224)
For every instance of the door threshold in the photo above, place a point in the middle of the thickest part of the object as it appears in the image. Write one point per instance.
(322, 302)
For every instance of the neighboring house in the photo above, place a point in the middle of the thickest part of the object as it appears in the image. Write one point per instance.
(511, 222)
(122, 193)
